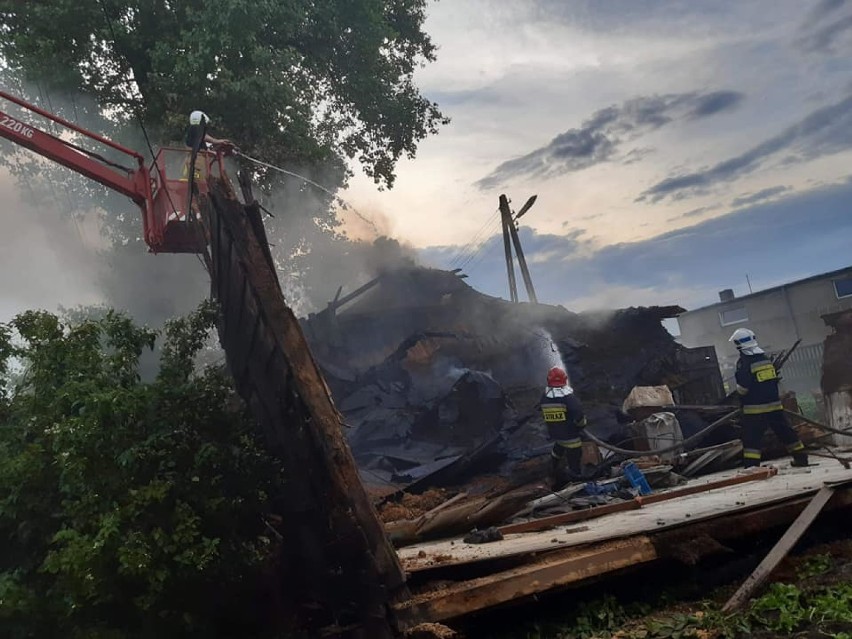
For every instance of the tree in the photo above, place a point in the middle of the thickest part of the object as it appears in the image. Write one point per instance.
(304, 84)
(127, 509)
(309, 82)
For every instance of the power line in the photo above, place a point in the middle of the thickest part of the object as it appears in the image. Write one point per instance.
(137, 111)
(464, 249)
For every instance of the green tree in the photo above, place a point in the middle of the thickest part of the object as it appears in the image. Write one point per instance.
(127, 509)
(309, 82)
(305, 84)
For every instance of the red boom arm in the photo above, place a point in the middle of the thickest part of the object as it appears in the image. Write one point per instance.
(134, 183)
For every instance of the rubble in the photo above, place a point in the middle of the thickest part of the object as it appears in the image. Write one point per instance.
(438, 382)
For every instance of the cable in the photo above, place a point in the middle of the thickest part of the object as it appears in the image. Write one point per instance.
(473, 241)
(686, 442)
(138, 113)
(813, 422)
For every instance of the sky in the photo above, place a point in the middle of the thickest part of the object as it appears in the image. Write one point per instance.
(675, 147)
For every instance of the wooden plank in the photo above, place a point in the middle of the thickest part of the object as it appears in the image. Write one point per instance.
(583, 515)
(756, 475)
(470, 596)
(569, 518)
(557, 569)
(781, 549)
(791, 483)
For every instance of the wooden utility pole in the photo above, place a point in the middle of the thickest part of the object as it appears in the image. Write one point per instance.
(506, 221)
(512, 231)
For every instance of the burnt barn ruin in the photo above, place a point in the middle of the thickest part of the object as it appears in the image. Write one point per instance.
(435, 379)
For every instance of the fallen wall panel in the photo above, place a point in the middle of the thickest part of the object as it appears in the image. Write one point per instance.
(337, 566)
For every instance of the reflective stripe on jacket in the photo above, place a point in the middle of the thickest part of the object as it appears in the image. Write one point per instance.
(757, 384)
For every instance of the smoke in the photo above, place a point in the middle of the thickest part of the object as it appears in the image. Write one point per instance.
(322, 243)
(47, 258)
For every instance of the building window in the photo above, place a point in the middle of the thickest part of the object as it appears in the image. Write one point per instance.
(733, 316)
(843, 288)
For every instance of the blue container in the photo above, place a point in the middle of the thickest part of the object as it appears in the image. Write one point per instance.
(636, 478)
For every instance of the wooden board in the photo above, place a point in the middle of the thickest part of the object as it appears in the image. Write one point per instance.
(546, 523)
(553, 571)
(780, 550)
(790, 483)
(574, 566)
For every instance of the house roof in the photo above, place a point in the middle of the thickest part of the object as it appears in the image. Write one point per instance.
(831, 274)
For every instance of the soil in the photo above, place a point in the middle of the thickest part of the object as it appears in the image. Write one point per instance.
(413, 506)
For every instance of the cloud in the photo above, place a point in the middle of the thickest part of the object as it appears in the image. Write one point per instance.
(600, 138)
(824, 131)
(693, 213)
(824, 30)
(773, 242)
(764, 194)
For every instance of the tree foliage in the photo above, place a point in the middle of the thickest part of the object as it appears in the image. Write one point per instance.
(127, 509)
(309, 82)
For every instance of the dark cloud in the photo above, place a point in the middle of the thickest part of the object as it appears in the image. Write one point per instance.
(601, 137)
(712, 103)
(764, 194)
(824, 131)
(773, 242)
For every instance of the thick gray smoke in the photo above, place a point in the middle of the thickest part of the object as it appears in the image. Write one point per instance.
(46, 259)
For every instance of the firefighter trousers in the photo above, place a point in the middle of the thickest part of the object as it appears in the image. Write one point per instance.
(754, 426)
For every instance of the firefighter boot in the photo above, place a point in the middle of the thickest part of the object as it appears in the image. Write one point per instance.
(800, 460)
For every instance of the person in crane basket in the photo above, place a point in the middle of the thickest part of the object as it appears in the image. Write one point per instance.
(564, 418)
(757, 386)
(196, 138)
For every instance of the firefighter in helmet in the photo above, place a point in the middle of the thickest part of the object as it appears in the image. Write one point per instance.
(198, 139)
(757, 386)
(564, 418)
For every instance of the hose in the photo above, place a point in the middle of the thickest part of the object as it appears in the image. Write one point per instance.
(813, 422)
(686, 442)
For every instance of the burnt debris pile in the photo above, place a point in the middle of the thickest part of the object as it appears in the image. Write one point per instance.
(437, 381)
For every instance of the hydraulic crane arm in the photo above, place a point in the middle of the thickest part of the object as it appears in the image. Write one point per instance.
(135, 183)
(163, 198)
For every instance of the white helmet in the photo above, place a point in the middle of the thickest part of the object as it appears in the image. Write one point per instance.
(745, 340)
(197, 117)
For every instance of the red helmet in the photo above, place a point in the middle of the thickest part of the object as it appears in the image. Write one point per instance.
(557, 378)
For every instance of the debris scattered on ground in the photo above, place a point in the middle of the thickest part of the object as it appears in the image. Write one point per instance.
(486, 536)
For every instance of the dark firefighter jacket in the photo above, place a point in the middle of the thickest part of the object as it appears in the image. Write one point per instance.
(563, 415)
(757, 384)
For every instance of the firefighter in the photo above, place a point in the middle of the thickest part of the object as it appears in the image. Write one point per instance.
(563, 415)
(197, 139)
(196, 132)
(757, 386)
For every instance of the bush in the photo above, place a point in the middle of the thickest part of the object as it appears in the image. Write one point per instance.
(127, 509)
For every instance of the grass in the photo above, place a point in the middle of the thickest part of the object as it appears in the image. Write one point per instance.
(812, 601)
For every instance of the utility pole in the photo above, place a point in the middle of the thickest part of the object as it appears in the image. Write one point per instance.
(506, 221)
(510, 232)
(516, 240)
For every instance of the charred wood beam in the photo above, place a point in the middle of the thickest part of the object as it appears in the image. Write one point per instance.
(337, 564)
